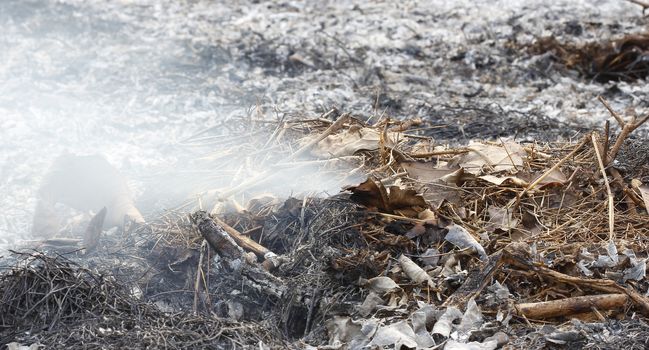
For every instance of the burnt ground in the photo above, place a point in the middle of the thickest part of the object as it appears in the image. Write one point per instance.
(132, 80)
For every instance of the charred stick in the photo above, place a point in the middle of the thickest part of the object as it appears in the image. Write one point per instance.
(235, 257)
(244, 241)
(217, 237)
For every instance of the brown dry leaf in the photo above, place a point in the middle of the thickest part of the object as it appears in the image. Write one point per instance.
(400, 198)
(440, 181)
(428, 172)
(373, 194)
(350, 141)
(439, 191)
(499, 180)
(500, 218)
(555, 177)
(531, 222)
(487, 158)
(644, 191)
(417, 230)
(428, 216)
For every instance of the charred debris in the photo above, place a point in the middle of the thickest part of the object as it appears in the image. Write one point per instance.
(486, 245)
(623, 59)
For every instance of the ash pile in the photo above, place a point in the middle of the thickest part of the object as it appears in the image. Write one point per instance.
(481, 246)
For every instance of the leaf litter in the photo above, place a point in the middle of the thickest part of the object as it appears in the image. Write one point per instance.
(376, 265)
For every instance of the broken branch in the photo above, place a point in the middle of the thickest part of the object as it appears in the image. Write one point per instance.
(571, 306)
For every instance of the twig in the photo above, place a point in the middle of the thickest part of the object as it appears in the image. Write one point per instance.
(399, 217)
(553, 168)
(629, 196)
(508, 154)
(440, 153)
(611, 213)
(199, 272)
(627, 128)
(330, 130)
(244, 241)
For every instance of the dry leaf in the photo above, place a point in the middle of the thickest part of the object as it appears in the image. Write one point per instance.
(555, 177)
(462, 239)
(399, 198)
(413, 271)
(417, 230)
(93, 231)
(486, 158)
(444, 325)
(499, 180)
(428, 216)
(431, 256)
(369, 304)
(372, 194)
(420, 319)
(397, 334)
(382, 285)
(500, 218)
(438, 192)
(343, 329)
(350, 141)
(644, 191)
(428, 172)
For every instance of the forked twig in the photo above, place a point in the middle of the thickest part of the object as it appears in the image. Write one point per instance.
(627, 128)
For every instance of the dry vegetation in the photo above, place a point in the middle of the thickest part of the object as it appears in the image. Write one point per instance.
(503, 236)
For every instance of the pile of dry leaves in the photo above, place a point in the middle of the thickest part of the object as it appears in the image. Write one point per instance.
(435, 246)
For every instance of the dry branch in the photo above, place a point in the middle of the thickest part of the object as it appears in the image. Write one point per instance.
(512, 256)
(217, 237)
(476, 282)
(571, 306)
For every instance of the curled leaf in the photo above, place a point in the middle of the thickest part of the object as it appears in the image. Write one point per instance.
(413, 271)
(382, 285)
(463, 239)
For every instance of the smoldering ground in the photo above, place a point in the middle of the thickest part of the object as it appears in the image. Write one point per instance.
(81, 80)
(134, 79)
